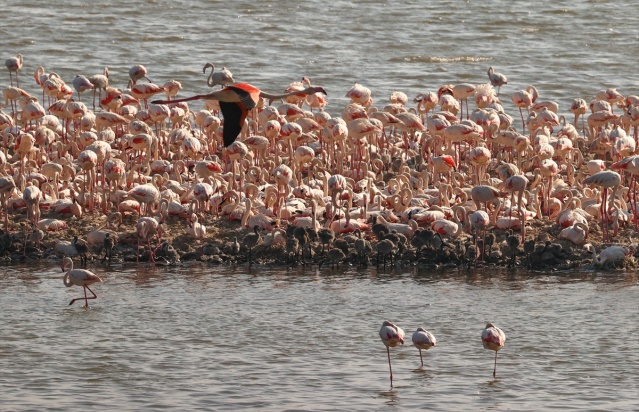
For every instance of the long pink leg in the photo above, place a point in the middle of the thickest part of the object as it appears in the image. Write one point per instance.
(420, 357)
(85, 298)
(389, 366)
(495, 368)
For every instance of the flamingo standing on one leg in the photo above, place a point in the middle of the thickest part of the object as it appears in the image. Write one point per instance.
(79, 277)
(493, 338)
(422, 339)
(392, 336)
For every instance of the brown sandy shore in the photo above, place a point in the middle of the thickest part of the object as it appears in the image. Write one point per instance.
(545, 253)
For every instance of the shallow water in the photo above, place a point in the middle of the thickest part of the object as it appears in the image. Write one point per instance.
(226, 338)
(567, 49)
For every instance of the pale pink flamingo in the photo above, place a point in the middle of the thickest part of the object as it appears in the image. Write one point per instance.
(422, 339)
(391, 336)
(194, 228)
(144, 91)
(484, 194)
(145, 229)
(360, 94)
(606, 179)
(172, 88)
(612, 255)
(222, 77)
(79, 277)
(7, 187)
(576, 233)
(496, 79)
(609, 95)
(137, 72)
(518, 183)
(525, 99)
(146, 194)
(32, 196)
(630, 164)
(462, 92)
(82, 84)
(14, 64)
(100, 82)
(425, 103)
(493, 338)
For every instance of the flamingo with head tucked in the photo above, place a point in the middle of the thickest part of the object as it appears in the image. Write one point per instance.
(391, 336)
(493, 338)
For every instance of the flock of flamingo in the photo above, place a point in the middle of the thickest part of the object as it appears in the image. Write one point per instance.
(427, 179)
(492, 338)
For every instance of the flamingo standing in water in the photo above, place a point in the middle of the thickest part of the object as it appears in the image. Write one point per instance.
(493, 338)
(222, 77)
(14, 64)
(79, 277)
(422, 339)
(496, 79)
(391, 336)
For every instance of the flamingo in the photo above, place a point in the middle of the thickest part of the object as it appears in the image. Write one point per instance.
(82, 84)
(100, 82)
(391, 336)
(14, 64)
(525, 99)
(79, 277)
(222, 77)
(576, 233)
(606, 179)
(612, 255)
(137, 72)
(422, 339)
(145, 229)
(493, 338)
(195, 229)
(496, 79)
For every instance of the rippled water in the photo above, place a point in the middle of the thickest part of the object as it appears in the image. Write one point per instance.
(227, 339)
(224, 338)
(567, 49)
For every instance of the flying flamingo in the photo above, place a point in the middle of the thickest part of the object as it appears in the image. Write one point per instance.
(14, 64)
(496, 79)
(423, 339)
(493, 338)
(391, 336)
(79, 277)
(606, 179)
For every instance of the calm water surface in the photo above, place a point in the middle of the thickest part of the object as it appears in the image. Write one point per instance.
(224, 338)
